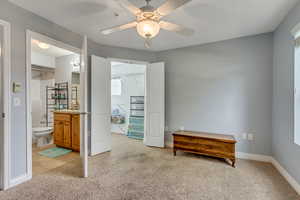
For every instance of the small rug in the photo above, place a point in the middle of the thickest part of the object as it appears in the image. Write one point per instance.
(55, 152)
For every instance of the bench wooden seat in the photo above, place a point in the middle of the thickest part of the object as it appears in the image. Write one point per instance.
(210, 144)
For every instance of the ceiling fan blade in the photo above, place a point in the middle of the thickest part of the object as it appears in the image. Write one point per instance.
(170, 6)
(119, 28)
(176, 28)
(129, 6)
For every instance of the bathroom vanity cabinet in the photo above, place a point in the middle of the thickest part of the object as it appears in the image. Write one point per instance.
(67, 129)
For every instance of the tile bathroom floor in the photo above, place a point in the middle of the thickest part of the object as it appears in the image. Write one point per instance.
(42, 164)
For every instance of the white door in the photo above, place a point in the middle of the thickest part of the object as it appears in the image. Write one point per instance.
(4, 103)
(1, 107)
(83, 109)
(101, 105)
(155, 105)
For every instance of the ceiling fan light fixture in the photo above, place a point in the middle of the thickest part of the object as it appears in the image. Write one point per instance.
(148, 28)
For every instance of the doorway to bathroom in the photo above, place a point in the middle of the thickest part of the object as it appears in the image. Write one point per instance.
(55, 90)
(57, 102)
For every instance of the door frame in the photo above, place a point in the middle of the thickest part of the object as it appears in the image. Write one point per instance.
(145, 89)
(5, 139)
(29, 35)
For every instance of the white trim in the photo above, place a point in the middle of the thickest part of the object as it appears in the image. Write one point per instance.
(264, 158)
(84, 107)
(240, 155)
(286, 175)
(52, 41)
(257, 157)
(128, 61)
(168, 144)
(19, 180)
(295, 33)
(295, 30)
(275, 163)
(28, 109)
(29, 35)
(6, 160)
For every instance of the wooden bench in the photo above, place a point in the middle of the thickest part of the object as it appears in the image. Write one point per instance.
(209, 144)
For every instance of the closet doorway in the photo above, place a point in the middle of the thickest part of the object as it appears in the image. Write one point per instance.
(139, 115)
(128, 100)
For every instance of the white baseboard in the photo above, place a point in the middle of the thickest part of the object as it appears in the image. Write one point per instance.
(286, 175)
(257, 157)
(276, 164)
(169, 144)
(19, 180)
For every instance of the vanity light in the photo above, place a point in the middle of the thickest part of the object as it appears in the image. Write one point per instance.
(76, 64)
(43, 45)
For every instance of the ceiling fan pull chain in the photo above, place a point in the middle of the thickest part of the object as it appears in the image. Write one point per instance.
(148, 43)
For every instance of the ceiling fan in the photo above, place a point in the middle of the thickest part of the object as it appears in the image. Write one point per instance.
(148, 20)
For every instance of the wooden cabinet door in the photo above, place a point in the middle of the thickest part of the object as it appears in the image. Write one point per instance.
(59, 133)
(67, 134)
(76, 132)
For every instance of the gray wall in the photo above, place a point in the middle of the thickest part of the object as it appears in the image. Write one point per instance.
(286, 152)
(223, 87)
(21, 20)
(64, 68)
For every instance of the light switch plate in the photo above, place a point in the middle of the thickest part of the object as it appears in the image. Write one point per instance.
(17, 87)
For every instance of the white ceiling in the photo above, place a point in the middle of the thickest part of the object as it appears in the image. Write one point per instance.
(51, 51)
(212, 20)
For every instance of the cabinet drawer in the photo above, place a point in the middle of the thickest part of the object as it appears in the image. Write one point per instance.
(62, 117)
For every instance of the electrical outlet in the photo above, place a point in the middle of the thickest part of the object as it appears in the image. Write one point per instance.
(250, 137)
(182, 128)
(244, 136)
(237, 136)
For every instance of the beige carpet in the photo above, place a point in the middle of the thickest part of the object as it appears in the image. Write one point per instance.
(133, 171)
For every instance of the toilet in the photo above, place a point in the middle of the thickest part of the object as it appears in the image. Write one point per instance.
(42, 135)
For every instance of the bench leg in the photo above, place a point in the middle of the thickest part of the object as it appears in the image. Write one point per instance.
(233, 163)
(174, 152)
